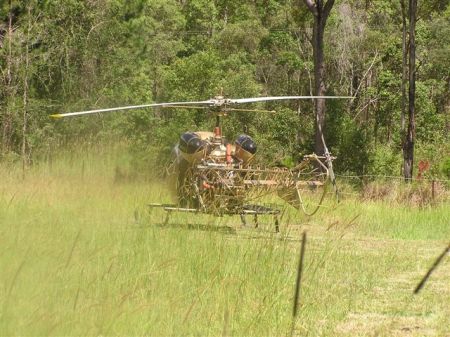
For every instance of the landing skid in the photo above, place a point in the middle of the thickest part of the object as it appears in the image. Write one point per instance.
(254, 210)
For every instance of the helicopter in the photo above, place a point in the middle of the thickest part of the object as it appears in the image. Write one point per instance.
(218, 177)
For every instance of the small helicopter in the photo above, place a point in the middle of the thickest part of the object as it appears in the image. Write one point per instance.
(218, 177)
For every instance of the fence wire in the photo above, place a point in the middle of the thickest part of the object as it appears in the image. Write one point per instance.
(420, 190)
(387, 177)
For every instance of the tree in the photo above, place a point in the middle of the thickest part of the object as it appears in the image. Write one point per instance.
(7, 120)
(404, 65)
(25, 94)
(408, 147)
(321, 11)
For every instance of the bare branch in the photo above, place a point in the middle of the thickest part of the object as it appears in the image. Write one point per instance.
(327, 8)
(94, 27)
(371, 101)
(312, 7)
(365, 74)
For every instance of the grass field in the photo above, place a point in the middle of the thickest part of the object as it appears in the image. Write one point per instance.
(81, 255)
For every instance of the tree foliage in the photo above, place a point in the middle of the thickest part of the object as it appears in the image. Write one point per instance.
(99, 53)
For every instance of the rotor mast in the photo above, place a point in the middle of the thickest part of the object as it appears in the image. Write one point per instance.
(217, 130)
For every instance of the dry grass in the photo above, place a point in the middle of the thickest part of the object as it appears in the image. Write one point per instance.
(417, 194)
(80, 255)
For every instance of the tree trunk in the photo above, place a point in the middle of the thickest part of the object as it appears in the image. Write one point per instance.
(320, 89)
(25, 98)
(408, 148)
(7, 118)
(404, 66)
(320, 12)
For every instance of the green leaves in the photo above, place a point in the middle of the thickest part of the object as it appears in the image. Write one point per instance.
(103, 53)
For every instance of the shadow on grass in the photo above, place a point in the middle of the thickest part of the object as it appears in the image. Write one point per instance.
(198, 227)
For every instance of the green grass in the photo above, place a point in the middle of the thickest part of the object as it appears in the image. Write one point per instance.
(80, 255)
(383, 220)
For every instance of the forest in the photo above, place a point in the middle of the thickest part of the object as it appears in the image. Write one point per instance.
(71, 55)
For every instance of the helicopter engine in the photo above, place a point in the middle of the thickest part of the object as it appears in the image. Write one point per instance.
(192, 147)
(245, 148)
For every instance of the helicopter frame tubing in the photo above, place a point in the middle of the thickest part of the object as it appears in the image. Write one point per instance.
(222, 189)
(254, 210)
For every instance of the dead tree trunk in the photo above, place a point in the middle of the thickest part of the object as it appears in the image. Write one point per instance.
(320, 11)
(408, 148)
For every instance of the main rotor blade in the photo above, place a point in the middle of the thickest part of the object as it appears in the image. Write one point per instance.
(172, 104)
(249, 110)
(279, 98)
(216, 102)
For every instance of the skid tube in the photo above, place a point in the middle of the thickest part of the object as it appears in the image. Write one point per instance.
(254, 210)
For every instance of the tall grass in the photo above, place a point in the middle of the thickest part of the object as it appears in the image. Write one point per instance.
(81, 255)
